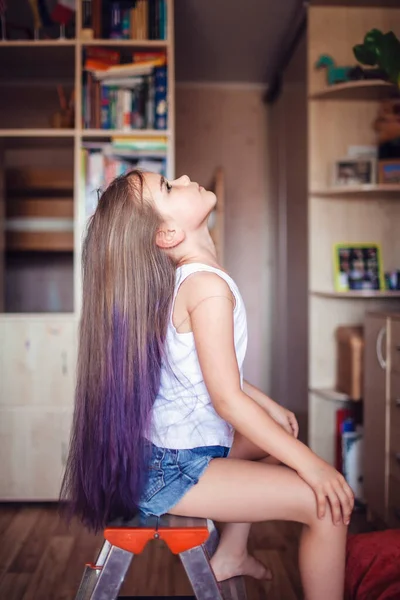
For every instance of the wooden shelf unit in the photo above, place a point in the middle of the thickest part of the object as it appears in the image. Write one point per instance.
(38, 347)
(79, 134)
(338, 117)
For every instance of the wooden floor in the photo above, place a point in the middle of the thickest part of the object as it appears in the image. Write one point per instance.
(41, 559)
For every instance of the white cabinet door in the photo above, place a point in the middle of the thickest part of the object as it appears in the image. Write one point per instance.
(38, 359)
(37, 380)
(33, 450)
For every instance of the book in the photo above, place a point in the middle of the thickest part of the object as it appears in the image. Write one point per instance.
(123, 82)
(96, 58)
(130, 69)
(100, 164)
(121, 19)
(125, 96)
(97, 18)
(157, 58)
(160, 98)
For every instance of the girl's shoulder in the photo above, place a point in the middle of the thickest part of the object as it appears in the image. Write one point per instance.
(201, 281)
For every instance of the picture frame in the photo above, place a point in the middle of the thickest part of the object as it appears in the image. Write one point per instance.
(358, 267)
(389, 172)
(354, 171)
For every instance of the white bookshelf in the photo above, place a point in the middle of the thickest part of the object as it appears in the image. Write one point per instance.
(38, 348)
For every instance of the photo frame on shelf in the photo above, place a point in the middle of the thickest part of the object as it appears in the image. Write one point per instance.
(354, 171)
(358, 267)
(389, 171)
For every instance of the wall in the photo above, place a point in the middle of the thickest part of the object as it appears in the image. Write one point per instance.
(226, 125)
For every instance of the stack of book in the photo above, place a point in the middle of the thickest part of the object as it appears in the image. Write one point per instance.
(124, 96)
(125, 19)
(102, 162)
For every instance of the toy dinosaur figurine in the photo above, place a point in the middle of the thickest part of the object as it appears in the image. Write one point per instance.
(334, 74)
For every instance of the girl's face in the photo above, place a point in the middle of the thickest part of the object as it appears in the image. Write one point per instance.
(181, 201)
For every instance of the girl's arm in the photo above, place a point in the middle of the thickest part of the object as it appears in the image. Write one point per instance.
(284, 417)
(209, 304)
(258, 396)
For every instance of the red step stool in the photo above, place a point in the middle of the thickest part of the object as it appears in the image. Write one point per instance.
(195, 540)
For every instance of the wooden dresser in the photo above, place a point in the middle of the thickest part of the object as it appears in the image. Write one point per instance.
(382, 417)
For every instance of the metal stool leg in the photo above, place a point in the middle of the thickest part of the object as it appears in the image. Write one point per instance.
(212, 543)
(200, 574)
(112, 575)
(103, 580)
(232, 589)
(91, 574)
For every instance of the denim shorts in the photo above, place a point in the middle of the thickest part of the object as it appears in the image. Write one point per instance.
(171, 473)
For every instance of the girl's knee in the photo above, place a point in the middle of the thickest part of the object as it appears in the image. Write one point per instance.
(309, 513)
(327, 523)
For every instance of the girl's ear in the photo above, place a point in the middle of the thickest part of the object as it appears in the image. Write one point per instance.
(169, 237)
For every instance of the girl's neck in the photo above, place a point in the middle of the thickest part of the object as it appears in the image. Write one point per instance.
(203, 260)
(198, 248)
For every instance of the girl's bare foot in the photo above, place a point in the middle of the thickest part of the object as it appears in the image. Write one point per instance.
(225, 567)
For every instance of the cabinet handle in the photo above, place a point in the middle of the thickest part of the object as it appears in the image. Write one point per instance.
(397, 513)
(397, 402)
(379, 354)
(397, 455)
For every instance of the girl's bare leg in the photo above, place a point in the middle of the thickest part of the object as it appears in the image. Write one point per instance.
(231, 557)
(242, 491)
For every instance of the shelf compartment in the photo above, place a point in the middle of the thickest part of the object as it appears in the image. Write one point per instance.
(372, 189)
(39, 210)
(361, 295)
(368, 89)
(32, 180)
(22, 107)
(42, 62)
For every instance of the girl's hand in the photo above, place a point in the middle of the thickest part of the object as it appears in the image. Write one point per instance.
(327, 483)
(284, 417)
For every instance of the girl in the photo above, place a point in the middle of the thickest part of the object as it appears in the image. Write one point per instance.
(163, 419)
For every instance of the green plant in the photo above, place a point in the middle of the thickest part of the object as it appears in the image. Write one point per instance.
(380, 50)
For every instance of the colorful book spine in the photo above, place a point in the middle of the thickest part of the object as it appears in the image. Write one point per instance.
(113, 19)
(160, 98)
(105, 107)
(126, 109)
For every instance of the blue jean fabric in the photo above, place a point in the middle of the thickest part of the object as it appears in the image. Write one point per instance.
(171, 473)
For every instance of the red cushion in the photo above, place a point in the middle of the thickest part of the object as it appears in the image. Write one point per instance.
(373, 566)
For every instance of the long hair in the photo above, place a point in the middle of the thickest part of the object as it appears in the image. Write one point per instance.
(128, 285)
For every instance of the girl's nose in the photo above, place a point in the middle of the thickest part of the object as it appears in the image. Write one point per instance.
(184, 180)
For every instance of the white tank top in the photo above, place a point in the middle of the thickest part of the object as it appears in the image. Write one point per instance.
(183, 414)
